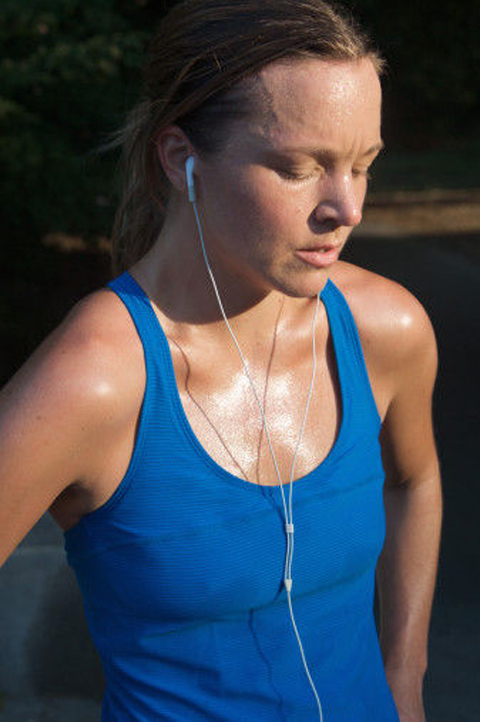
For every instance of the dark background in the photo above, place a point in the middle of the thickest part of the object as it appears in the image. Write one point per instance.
(69, 72)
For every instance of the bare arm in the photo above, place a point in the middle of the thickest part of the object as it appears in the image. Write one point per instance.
(407, 567)
(52, 413)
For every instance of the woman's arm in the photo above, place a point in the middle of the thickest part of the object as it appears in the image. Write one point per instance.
(407, 567)
(57, 415)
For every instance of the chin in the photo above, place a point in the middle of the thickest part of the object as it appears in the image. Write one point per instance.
(302, 285)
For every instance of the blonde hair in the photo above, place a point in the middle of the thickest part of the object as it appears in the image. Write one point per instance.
(200, 75)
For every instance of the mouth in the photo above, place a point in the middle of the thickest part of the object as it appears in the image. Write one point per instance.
(320, 256)
(324, 248)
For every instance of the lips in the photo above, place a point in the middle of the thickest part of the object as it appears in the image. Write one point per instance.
(319, 256)
(322, 249)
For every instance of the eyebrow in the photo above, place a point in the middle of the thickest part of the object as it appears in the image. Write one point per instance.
(323, 154)
(375, 148)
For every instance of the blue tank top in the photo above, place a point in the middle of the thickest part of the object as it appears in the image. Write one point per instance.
(181, 570)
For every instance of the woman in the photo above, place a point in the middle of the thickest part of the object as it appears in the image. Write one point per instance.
(233, 352)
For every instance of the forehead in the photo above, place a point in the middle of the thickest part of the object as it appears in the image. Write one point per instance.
(322, 101)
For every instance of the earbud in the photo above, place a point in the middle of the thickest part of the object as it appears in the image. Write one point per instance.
(189, 163)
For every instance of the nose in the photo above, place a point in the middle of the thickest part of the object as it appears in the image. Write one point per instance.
(341, 202)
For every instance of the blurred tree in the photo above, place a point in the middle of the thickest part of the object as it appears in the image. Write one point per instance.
(70, 69)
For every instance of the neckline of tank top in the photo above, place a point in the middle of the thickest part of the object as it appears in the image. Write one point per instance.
(272, 489)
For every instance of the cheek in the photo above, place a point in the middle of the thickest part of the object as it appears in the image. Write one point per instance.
(242, 208)
(269, 206)
(252, 210)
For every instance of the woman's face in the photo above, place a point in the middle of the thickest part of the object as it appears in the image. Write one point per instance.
(279, 201)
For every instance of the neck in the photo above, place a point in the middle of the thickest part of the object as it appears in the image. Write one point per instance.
(175, 276)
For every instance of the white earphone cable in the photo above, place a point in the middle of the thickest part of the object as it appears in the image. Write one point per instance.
(289, 518)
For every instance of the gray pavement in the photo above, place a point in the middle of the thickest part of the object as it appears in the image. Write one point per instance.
(49, 671)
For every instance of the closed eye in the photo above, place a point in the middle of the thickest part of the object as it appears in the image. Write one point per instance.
(292, 175)
(365, 171)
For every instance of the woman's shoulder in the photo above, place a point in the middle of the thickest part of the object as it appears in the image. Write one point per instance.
(76, 394)
(88, 374)
(367, 287)
(99, 332)
(392, 323)
(85, 355)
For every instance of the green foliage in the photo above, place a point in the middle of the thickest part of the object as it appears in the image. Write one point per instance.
(70, 71)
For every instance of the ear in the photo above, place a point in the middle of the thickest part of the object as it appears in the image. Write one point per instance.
(173, 149)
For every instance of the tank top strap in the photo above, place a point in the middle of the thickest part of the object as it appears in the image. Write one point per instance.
(152, 336)
(352, 369)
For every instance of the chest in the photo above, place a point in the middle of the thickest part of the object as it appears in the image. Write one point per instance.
(222, 411)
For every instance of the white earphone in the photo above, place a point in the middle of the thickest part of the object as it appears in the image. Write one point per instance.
(289, 527)
(189, 163)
